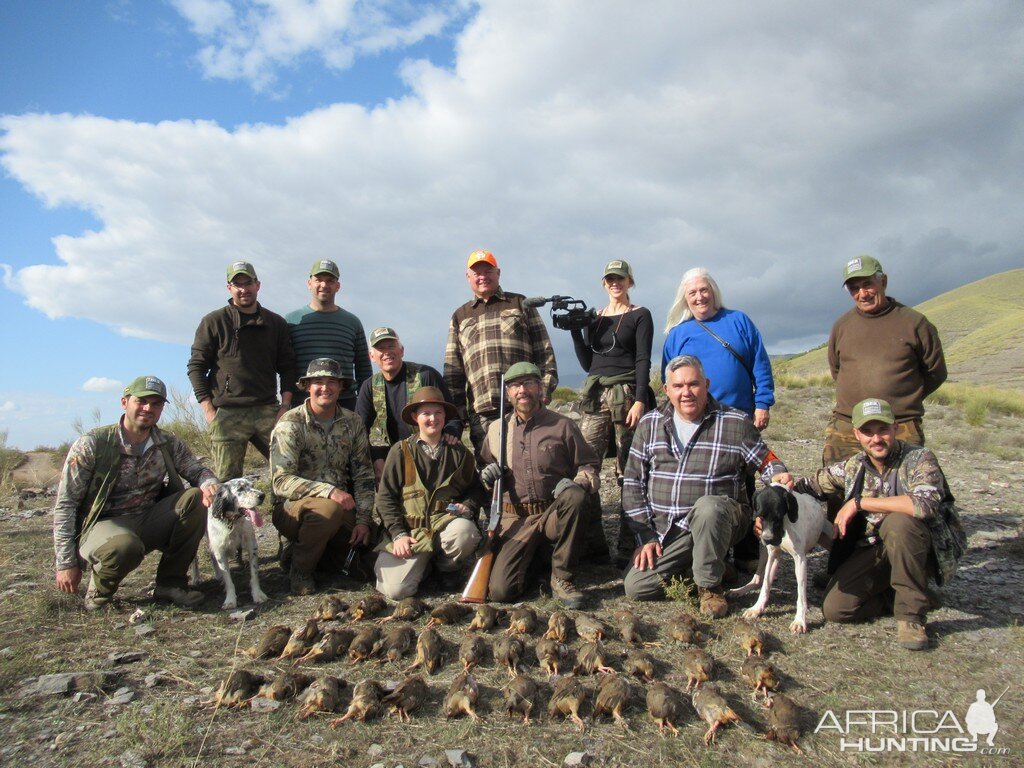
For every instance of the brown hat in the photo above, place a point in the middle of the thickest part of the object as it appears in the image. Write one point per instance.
(431, 395)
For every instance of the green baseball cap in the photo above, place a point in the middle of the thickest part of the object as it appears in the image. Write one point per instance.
(236, 268)
(324, 265)
(325, 367)
(144, 386)
(381, 334)
(522, 371)
(862, 266)
(618, 267)
(872, 409)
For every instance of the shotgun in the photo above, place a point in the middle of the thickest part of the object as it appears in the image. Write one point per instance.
(476, 587)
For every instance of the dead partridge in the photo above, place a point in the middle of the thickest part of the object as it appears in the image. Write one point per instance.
(761, 674)
(590, 629)
(323, 695)
(560, 627)
(332, 645)
(361, 647)
(629, 626)
(665, 706)
(368, 607)
(472, 651)
(485, 618)
(521, 697)
(590, 658)
(330, 608)
(713, 710)
(365, 702)
(639, 664)
(783, 721)
(567, 699)
(551, 654)
(462, 696)
(698, 666)
(301, 640)
(236, 689)
(750, 638)
(287, 685)
(507, 653)
(684, 628)
(407, 609)
(428, 652)
(613, 696)
(448, 613)
(409, 694)
(396, 642)
(522, 621)
(271, 642)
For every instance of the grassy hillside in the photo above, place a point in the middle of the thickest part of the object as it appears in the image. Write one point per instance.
(982, 330)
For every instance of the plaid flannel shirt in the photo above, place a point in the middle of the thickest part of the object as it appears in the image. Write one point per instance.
(485, 338)
(662, 482)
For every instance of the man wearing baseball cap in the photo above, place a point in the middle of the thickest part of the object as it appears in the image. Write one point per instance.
(321, 478)
(880, 348)
(487, 335)
(241, 358)
(896, 527)
(383, 396)
(324, 329)
(113, 506)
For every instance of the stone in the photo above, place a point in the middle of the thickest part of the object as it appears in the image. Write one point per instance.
(574, 759)
(109, 734)
(234, 750)
(131, 759)
(458, 758)
(64, 683)
(84, 696)
(427, 762)
(378, 765)
(375, 750)
(155, 679)
(122, 695)
(126, 657)
(243, 615)
(137, 617)
(6, 653)
(145, 630)
(263, 705)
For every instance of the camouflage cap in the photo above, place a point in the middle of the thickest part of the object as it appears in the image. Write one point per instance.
(381, 334)
(144, 386)
(481, 257)
(618, 267)
(325, 367)
(521, 371)
(236, 268)
(320, 266)
(862, 266)
(872, 409)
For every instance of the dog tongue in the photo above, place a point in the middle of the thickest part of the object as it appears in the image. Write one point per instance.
(254, 516)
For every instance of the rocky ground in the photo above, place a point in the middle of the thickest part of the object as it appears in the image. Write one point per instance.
(144, 670)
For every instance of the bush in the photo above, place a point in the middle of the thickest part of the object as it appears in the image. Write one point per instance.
(10, 460)
(564, 395)
(974, 411)
(968, 396)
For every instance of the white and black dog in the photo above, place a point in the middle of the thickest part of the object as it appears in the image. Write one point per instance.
(229, 527)
(795, 523)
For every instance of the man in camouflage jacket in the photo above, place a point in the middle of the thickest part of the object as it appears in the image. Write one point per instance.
(896, 526)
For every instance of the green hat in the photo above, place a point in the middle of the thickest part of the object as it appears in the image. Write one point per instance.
(236, 268)
(862, 266)
(144, 386)
(522, 371)
(872, 409)
(324, 367)
(618, 267)
(382, 334)
(324, 265)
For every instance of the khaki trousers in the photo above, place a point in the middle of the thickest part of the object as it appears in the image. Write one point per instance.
(231, 431)
(320, 530)
(454, 546)
(116, 546)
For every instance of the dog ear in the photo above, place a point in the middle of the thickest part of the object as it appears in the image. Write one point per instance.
(218, 502)
(792, 507)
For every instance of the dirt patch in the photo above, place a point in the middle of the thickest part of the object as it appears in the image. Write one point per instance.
(36, 471)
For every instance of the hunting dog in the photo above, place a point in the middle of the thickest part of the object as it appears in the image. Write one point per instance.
(229, 527)
(791, 522)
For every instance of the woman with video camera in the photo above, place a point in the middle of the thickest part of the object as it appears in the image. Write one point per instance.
(615, 351)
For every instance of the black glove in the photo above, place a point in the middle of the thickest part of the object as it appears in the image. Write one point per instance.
(489, 475)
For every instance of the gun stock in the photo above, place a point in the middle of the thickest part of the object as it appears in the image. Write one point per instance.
(476, 587)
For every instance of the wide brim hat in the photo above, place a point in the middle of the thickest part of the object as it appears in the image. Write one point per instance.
(428, 396)
(325, 367)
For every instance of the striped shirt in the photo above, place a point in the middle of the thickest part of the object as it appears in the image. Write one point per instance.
(663, 480)
(338, 335)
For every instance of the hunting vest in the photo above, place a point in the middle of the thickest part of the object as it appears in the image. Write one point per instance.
(379, 429)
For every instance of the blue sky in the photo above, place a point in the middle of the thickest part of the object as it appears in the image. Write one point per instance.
(144, 145)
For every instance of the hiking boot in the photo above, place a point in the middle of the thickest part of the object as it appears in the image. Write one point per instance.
(95, 601)
(183, 598)
(911, 635)
(302, 583)
(565, 591)
(712, 602)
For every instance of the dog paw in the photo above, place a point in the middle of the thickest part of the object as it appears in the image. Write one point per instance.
(752, 613)
(798, 627)
(229, 605)
(258, 597)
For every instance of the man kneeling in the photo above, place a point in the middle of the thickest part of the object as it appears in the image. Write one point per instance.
(428, 500)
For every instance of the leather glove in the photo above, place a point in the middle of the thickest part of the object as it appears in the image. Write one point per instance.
(565, 484)
(489, 475)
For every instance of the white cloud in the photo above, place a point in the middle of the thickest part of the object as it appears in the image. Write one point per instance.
(102, 384)
(253, 40)
(7, 406)
(768, 143)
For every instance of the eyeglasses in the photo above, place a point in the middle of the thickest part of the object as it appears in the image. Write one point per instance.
(512, 386)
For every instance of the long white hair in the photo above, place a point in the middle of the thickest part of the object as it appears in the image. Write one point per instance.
(680, 311)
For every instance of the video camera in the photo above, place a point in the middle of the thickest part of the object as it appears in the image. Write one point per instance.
(567, 313)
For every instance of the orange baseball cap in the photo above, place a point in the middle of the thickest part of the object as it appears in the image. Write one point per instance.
(482, 256)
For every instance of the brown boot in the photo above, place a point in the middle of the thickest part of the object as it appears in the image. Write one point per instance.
(302, 583)
(911, 635)
(566, 592)
(712, 602)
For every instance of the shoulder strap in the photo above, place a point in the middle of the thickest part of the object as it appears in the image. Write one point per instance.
(728, 346)
(409, 466)
(173, 480)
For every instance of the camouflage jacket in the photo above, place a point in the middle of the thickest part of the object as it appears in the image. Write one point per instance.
(910, 470)
(307, 460)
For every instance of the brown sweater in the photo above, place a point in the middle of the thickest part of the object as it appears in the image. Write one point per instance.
(895, 355)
